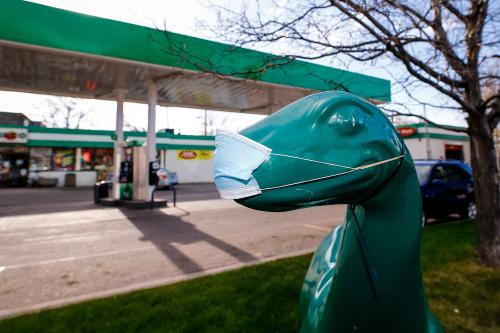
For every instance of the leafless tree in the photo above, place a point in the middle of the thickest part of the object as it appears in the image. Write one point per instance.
(131, 127)
(449, 46)
(212, 120)
(63, 112)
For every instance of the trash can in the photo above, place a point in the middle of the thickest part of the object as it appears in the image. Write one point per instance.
(101, 191)
(126, 191)
(70, 180)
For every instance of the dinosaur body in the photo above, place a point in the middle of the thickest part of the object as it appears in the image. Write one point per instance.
(345, 292)
(332, 148)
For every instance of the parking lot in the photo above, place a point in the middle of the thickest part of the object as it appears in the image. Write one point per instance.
(57, 247)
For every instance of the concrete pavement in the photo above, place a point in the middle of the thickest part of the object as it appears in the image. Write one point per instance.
(56, 247)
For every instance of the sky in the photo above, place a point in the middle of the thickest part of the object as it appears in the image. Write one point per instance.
(182, 17)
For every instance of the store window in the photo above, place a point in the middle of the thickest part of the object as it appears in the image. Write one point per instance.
(63, 159)
(40, 159)
(454, 152)
(100, 160)
(96, 158)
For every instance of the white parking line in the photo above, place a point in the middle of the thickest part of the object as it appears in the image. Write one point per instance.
(55, 261)
(316, 227)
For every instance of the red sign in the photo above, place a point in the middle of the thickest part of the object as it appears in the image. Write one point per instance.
(10, 135)
(187, 155)
(14, 135)
(453, 147)
(406, 131)
(90, 85)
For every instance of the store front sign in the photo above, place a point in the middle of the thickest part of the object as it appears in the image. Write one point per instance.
(406, 131)
(13, 135)
(194, 154)
(453, 147)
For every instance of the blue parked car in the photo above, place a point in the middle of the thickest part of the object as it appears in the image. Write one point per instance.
(447, 188)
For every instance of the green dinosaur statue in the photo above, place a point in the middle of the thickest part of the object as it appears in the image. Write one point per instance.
(365, 276)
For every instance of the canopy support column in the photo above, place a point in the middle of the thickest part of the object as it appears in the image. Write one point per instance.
(151, 138)
(162, 158)
(78, 159)
(119, 141)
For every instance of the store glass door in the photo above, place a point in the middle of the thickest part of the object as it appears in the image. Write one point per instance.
(14, 163)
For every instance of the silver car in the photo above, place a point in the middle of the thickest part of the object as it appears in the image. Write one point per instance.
(167, 178)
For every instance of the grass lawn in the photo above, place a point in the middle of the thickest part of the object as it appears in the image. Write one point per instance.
(263, 298)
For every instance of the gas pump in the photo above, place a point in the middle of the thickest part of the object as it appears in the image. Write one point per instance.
(138, 178)
(126, 177)
(130, 170)
(153, 173)
(138, 174)
(153, 179)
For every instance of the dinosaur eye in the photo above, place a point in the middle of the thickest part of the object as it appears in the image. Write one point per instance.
(346, 121)
(340, 119)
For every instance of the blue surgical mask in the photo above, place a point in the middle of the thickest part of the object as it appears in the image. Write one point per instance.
(236, 158)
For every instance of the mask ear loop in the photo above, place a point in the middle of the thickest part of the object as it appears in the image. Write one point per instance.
(314, 161)
(331, 176)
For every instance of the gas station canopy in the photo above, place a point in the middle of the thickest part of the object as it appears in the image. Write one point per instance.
(52, 51)
(46, 50)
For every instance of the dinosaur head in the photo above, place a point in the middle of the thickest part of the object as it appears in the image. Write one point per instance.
(326, 148)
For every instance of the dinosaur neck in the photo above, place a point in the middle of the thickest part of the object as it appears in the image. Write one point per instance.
(379, 259)
(390, 227)
(395, 210)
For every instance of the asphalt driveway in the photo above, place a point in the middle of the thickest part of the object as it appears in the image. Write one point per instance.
(57, 247)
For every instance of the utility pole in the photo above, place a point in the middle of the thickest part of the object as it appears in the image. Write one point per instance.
(166, 111)
(205, 122)
(427, 143)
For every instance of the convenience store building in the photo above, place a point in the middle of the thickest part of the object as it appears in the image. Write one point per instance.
(55, 152)
(428, 141)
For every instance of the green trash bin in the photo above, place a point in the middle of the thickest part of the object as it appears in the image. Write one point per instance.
(126, 191)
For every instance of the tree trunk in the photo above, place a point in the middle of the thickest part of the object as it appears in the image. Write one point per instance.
(486, 185)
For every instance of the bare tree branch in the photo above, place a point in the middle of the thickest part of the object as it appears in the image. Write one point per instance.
(410, 114)
(64, 112)
(450, 46)
(452, 9)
